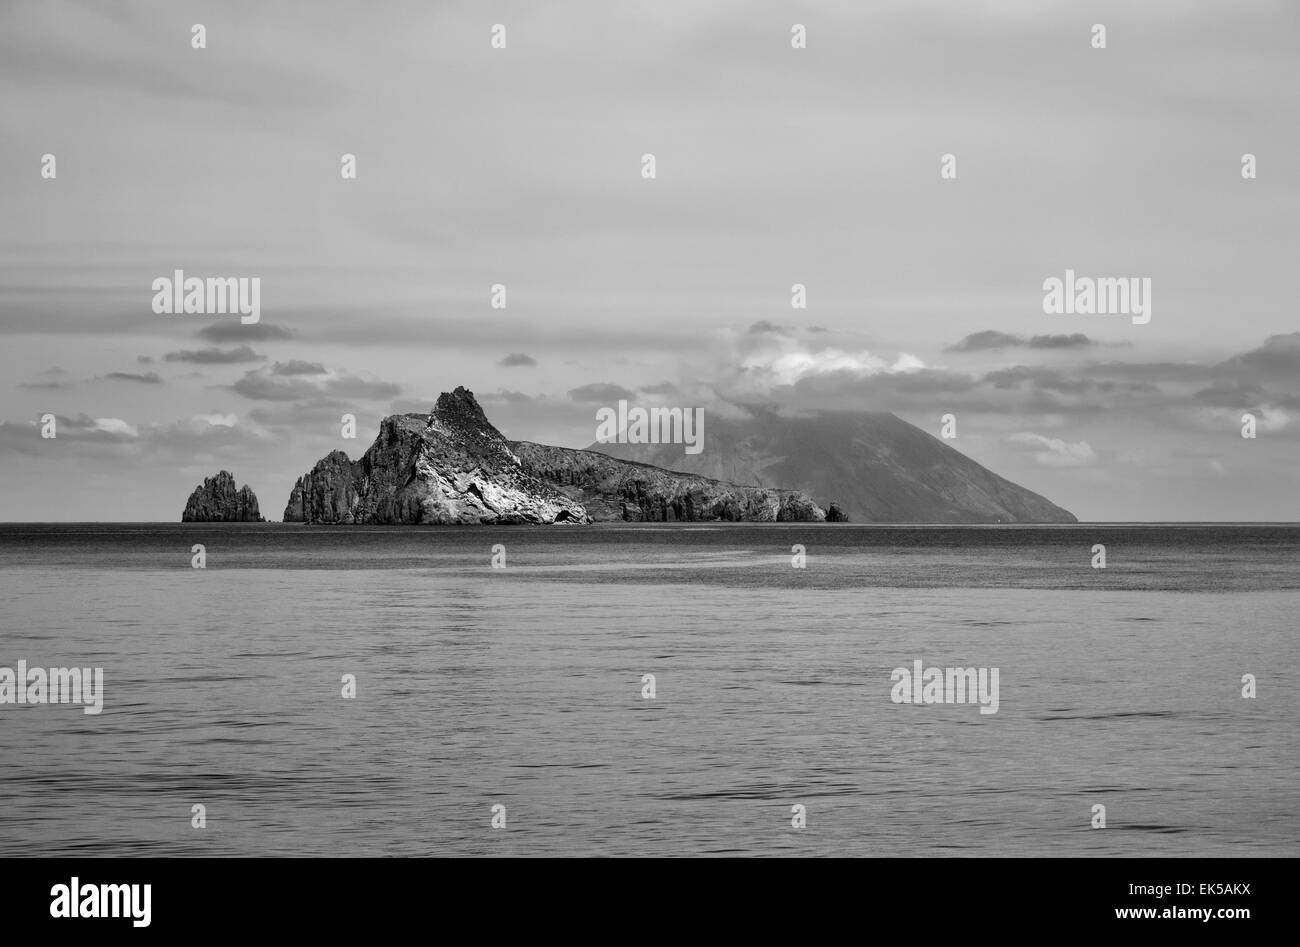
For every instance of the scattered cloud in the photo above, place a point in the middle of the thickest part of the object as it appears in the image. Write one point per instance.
(789, 366)
(506, 396)
(298, 367)
(1053, 451)
(24, 437)
(990, 339)
(517, 359)
(220, 332)
(1075, 340)
(1278, 358)
(265, 384)
(215, 356)
(662, 388)
(601, 393)
(148, 378)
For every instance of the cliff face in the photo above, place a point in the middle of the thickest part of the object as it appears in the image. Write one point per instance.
(612, 489)
(217, 501)
(876, 466)
(454, 467)
(325, 495)
(451, 467)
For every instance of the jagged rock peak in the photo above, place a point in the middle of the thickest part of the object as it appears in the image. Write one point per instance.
(457, 416)
(459, 406)
(217, 500)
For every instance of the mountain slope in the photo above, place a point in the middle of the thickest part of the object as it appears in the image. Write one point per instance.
(612, 489)
(875, 466)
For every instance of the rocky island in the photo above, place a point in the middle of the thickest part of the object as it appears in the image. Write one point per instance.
(217, 500)
(454, 467)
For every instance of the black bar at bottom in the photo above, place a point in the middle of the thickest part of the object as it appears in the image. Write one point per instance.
(639, 898)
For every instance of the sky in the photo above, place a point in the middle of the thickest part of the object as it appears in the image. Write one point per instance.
(774, 166)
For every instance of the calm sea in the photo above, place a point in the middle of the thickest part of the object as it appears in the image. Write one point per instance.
(522, 687)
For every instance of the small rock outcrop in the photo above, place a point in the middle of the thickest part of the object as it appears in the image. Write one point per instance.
(328, 494)
(217, 500)
(835, 515)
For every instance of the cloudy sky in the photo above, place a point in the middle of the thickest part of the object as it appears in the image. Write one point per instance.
(775, 166)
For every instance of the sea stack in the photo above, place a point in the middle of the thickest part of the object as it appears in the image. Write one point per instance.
(835, 515)
(218, 501)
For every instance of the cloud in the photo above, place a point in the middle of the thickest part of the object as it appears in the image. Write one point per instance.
(601, 393)
(791, 365)
(357, 387)
(1231, 394)
(264, 384)
(116, 426)
(1277, 358)
(260, 386)
(991, 340)
(24, 437)
(763, 326)
(148, 378)
(1054, 452)
(1075, 340)
(1042, 377)
(219, 420)
(662, 388)
(506, 396)
(324, 415)
(215, 356)
(238, 332)
(988, 339)
(515, 359)
(297, 367)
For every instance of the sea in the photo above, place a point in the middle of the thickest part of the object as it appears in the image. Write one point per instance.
(652, 690)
